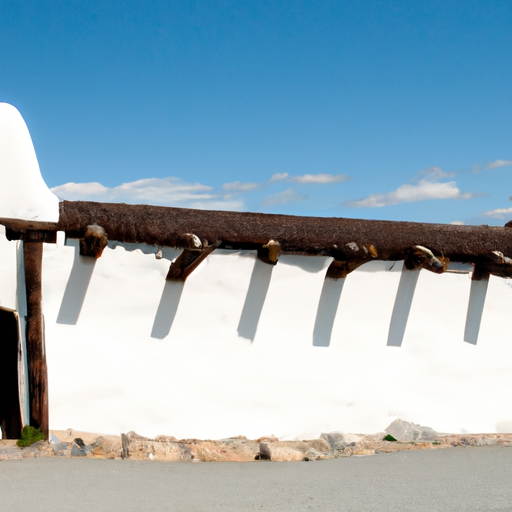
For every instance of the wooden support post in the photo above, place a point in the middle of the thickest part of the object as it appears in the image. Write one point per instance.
(36, 353)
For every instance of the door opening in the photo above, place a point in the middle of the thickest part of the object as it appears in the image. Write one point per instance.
(10, 413)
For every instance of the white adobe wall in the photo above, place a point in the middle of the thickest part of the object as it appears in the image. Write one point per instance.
(128, 351)
(23, 192)
(113, 368)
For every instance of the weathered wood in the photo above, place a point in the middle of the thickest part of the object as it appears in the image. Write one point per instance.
(337, 237)
(188, 261)
(422, 257)
(36, 353)
(49, 237)
(94, 241)
(269, 253)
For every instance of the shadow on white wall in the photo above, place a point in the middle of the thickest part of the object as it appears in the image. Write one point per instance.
(76, 289)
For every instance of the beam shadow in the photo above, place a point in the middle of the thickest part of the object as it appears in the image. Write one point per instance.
(402, 307)
(475, 309)
(254, 300)
(167, 309)
(76, 289)
(326, 312)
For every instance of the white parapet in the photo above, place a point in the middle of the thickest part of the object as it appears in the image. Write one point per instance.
(23, 192)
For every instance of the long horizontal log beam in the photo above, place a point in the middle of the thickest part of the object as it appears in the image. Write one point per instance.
(342, 238)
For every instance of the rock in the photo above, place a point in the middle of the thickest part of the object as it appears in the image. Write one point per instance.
(267, 439)
(405, 432)
(339, 440)
(278, 453)
(39, 449)
(107, 447)
(135, 446)
(320, 445)
(77, 450)
(232, 449)
(53, 439)
(61, 449)
(352, 451)
(9, 450)
(163, 439)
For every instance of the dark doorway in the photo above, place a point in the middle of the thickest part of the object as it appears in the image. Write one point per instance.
(10, 414)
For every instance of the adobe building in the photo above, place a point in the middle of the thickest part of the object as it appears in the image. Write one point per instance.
(210, 324)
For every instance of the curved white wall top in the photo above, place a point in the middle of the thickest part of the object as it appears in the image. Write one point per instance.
(23, 192)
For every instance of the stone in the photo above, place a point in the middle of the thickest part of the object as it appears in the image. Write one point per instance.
(355, 451)
(61, 449)
(320, 445)
(267, 439)
(339, 440)
(107, 447)
(39, 449)
(232, 449)
(135, 446)
(77, 450)
(406, 432)
(278, 453)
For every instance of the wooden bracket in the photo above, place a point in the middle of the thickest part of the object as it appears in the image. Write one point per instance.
(339, 269)
(499, 265)
(270, 252)
(421, 257)
(190, 259)
(94, 241)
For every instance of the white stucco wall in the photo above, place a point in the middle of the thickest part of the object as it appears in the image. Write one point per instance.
(114, 368)
(243, 348)
(23, 192)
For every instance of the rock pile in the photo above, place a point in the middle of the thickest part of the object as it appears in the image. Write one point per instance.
(409, 436)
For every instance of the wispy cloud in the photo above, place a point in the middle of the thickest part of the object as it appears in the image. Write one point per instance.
(320, 179)
(287, 196)
(433, 173)
(499, 213)
(158, 191)
(237, 186)
(306, 179)
(423, 191)
(279, 176)
(498, 163)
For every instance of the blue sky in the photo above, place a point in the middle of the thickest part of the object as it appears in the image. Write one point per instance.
(368, 109)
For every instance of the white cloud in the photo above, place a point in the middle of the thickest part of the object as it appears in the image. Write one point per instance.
(320, 179)
(433, 173)
(73, 191)
(498, 163)
(238, 186)
(158, 191)
(306, 179)
(221, 204)
(423, 191)
(287, 196)
(279, 176)
(499, 213)
(458, 223)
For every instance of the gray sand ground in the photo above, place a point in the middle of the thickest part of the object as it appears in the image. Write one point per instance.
(458, 479)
